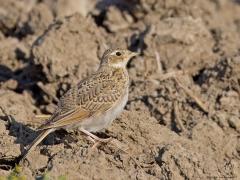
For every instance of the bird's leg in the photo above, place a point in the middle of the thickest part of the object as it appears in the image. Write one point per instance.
(115, 142)
(96, 144)
(94, 137)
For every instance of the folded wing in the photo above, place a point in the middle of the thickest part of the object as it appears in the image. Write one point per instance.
(90, 97)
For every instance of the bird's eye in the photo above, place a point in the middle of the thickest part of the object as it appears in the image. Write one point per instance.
(118, 53)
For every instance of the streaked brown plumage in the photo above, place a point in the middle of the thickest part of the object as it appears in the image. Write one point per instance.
(94, 102)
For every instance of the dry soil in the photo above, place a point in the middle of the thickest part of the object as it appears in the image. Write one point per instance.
(182, 120)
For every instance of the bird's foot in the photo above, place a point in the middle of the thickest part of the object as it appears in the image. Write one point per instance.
(96, 140)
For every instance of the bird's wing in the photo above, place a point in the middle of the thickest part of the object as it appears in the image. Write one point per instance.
(89, 98)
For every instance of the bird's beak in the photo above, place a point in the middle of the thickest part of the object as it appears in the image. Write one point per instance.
(133, 54)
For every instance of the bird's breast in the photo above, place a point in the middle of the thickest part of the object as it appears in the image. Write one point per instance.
(103, 120)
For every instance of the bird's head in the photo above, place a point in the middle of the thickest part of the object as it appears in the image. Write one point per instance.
(117, 58)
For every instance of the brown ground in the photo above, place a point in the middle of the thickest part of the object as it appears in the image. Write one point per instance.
(182, 120)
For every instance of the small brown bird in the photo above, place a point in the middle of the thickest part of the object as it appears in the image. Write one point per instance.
(94, 102)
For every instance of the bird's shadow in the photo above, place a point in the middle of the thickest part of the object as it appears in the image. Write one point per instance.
(24, 136)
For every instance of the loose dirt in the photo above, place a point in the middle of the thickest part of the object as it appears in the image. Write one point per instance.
(182, 120)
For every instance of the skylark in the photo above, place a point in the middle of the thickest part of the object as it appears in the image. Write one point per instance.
(94, 102)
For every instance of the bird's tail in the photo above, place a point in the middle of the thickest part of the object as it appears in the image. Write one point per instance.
(40, 137)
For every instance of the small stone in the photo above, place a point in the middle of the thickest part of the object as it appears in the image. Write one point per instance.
(234, 122)
(10, 84)
(37, 160)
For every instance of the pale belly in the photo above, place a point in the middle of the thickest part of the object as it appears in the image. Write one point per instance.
(102, 121)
